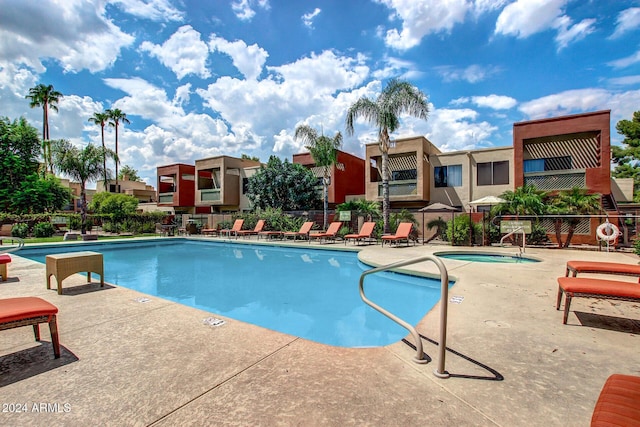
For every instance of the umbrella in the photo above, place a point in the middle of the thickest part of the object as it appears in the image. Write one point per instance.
(487, 200)
(437, 207)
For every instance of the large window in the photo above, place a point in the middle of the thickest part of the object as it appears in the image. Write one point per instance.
(405, 175)
(447, 176)
(493, 173)
(548, 164)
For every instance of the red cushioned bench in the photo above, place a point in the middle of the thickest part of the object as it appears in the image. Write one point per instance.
(4, 260)
(26, 311)
(594, 288)
(619, 402)
(617, 268)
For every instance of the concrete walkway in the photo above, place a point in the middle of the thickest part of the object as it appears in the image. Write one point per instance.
(512, 361)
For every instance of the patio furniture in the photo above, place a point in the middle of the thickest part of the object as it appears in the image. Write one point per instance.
(211, 231)
(330, 234)
(258, 228)
(30, 311)
(237, 226)
(402, 234)
(594, 288)
(66, 264)
(618, 403)
(365, 233)
(303, 233)
(597, 267)
(270, 234)
(4, 261)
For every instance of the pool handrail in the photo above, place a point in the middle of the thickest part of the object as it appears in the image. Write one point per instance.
(524, 238)
(440, 371)
(12, 248)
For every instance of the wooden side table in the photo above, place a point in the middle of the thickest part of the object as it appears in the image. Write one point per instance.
(66, 264)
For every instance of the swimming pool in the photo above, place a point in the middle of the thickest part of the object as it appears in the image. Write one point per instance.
(486, 257)
(310, 293)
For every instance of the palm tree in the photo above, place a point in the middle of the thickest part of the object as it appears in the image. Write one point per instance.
(102, 119)
(115, 117)
(578, 202)
(397, 98)
(525, 200)
(47, 98)
(324, 152)
(81, 165)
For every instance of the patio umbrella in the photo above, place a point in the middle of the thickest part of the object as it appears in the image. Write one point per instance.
(437, 207)
(487, 200)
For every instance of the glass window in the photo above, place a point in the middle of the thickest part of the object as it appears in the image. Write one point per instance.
(493, 173)
(404, 175)
(548, 164)
(485, 174)
(447, 176)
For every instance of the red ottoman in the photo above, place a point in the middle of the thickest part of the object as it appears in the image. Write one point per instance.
(4, 260)
(26, 311)
(619, 402)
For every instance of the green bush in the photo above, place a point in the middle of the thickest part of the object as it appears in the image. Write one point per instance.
(460, 234)
(20, 230)
(636, 246)
(44, 229)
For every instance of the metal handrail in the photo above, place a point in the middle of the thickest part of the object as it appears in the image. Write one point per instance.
(524, 237)
(444, 295)
(12, 248)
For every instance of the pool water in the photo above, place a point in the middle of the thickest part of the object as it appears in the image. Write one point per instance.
(490, 258)
(304, 292)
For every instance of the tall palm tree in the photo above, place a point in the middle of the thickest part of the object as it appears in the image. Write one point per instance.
(46, 97)
(115, 117)
(101, 119)
(397, 98)
(525, 200)
(578, 202)
(324, 152)
(81, 165)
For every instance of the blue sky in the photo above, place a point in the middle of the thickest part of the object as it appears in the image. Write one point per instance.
(203, 78)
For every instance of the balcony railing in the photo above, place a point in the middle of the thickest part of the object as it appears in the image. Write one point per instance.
(400, 188)
(165, 198)
(556, 180)
(210, 195)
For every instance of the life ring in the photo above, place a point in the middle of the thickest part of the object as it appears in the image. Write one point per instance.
(607, 232)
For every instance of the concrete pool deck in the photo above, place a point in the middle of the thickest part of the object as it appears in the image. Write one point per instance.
(126, 362)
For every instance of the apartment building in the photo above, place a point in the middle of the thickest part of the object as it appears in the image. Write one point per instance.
(176, 188)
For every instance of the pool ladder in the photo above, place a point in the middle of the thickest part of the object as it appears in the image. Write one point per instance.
(6, 250)
(440, 372)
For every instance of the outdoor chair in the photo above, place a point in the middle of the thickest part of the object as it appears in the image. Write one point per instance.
(402, 234)
(330, 234)
(366, 233)
(237, 226)
(303, 233)
(30, 311)
(258, 228)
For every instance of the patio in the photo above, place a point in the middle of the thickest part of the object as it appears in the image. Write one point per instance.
(129, 362)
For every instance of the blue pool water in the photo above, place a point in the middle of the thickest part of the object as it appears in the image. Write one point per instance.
(486, 257)
(300, 291)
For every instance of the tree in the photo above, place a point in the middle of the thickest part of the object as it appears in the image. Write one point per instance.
(283, 185)
(397, 98)
(22, 188)
(627, 159)
(115, 117)
(81, 165)
(101, 120)
(576, 202)
(46, 97)
(114, 204)
(248, 157)
(130, 173)
(525, 200)
(324, 151)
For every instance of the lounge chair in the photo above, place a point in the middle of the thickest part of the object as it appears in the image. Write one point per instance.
(330, 234)
(617, 404)
(212, 231)
(258, 228)
(237, 226)
(594, 288)
(402, 234)
(365, 233)
(303, 233)
(30, 311)
(596, 267)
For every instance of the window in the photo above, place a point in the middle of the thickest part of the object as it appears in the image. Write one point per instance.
(493, 173)
(548, 164)
(245, 185)
(410, 174)
(447, 176)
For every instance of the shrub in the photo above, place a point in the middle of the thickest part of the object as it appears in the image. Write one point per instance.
(20, 230)
(44, 229)
(462, 225)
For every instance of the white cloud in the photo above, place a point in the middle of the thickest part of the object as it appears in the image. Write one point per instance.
(397, 68)
(568, 33)
(625, 81)
(307, 18)
(155, 10)
(184, 53)
(457, 129)
(244, 9)
(422, 17)
(249, 60)
(628, 20)
(74, 33)
(496, 102)
(473, 73)
(627, 61)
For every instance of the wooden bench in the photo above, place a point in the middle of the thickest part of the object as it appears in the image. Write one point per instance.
(618, 403)
(4, 261)
(30, 311)
(594, 288)
(66, 264)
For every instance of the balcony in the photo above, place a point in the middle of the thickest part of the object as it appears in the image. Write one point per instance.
(556, 180)
(210, 195)
(166, 198)
(407, 187)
